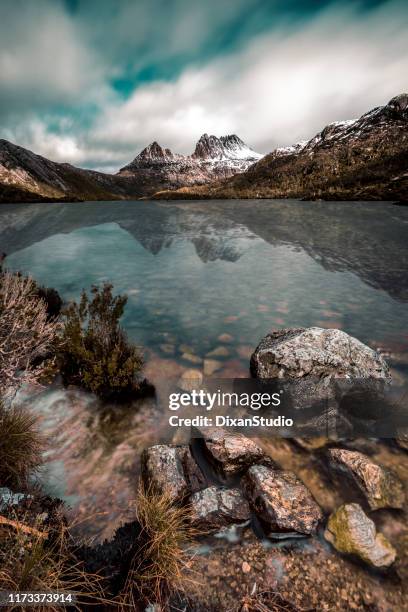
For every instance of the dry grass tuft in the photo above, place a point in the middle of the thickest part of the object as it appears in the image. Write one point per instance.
(31, 562)
(21, 446)
(161, 567)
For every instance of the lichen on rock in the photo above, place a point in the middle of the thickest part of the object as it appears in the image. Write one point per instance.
(380, 487)
(351, 531)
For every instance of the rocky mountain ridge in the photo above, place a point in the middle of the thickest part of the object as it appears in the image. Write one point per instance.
(27, 177)
(361, 159)
(213, 158)
(364, 159)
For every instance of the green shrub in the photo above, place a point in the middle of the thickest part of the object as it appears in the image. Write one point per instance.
(21, 446)
(95, 352)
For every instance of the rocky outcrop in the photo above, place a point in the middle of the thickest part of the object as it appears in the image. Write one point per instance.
(351, 531)
(171, 468)
(300, 352)
(229, 454)
(281, 501)
(362, 159)
(214, 508)
(380, 487)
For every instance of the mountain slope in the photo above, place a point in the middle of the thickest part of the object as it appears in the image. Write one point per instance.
(27, 177)
(364, 159)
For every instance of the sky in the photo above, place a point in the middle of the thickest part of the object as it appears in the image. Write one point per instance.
(92, 82)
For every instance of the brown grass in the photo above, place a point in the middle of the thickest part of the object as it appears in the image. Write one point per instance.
(30, 562)
(21, 446)
(161, 567)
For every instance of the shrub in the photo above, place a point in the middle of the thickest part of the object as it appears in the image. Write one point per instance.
(21, 446)
(27, 334)
(95, 352)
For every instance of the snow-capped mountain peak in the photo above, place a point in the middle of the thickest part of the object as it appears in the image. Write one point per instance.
(229, 147)
(213, 157)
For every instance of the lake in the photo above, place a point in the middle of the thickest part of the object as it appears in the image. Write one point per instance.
(203, 277)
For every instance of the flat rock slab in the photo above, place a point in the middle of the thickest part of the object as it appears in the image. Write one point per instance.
(215, 507)
(171, 468)
(230, 453)
(380, 487)
(281, 501)
(351, 531)
(314, 351)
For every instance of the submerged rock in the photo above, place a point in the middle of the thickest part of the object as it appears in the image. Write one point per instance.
(281, 501)
(230, 453)
(220, 351)
(351, 531)
(171, 468)
(300, 352)
(211, 366)
(215, 507)
(190, 379)
(380, 487)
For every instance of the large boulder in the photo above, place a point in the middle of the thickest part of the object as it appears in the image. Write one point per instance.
(351, 531)
(214, 508)
(380, 487)
(171, 468)
(317, 368)
(230, 454)
(300, 352)
(281, 501)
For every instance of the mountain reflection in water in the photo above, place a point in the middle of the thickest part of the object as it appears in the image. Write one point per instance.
(205, 281)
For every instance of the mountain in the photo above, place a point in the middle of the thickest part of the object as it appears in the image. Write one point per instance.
(362, 159)
(27, 177)
(213, 158)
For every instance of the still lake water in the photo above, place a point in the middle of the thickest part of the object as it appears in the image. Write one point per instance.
(195, 271)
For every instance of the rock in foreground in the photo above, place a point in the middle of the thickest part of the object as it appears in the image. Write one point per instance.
(171, 468)
(230, 453)
(351, 531)
(214, 508)
(281, 501)
(298, 353)
(380, 487)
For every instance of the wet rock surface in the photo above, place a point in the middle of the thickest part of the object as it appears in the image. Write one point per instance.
(171, 468)
(229, 453)
(314, 351)
(281, 501)
(380, 487)
(351, 531)
(215, 507)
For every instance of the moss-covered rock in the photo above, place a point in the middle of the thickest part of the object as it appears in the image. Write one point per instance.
(351, 531)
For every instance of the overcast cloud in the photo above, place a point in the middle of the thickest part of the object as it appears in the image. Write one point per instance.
(276, 85)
